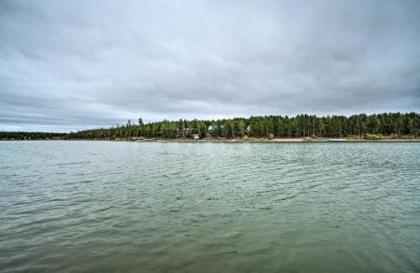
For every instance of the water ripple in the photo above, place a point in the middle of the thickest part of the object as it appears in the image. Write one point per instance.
(209, 207)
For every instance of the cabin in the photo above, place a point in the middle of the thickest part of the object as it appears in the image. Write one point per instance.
(196, 136)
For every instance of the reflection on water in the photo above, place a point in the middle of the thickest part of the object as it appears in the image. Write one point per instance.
(209, 207)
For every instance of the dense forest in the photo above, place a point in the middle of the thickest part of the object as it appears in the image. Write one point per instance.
(361, 125)
(30, 135)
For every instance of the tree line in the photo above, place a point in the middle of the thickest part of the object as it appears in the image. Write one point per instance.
(386, 124)
(31, 135)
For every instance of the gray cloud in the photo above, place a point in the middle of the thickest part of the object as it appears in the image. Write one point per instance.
(67, 65)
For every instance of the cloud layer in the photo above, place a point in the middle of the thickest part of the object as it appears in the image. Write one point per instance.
(67, 65)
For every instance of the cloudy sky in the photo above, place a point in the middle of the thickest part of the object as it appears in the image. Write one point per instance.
(68, 65)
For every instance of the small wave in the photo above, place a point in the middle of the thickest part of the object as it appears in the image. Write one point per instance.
(72, 163)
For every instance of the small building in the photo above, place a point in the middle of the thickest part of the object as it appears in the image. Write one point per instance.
(196, 136)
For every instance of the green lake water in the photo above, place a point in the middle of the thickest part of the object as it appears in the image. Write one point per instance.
(87, 206)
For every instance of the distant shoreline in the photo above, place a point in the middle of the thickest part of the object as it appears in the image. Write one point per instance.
(383, 127)
(237, 140)
(276, 140)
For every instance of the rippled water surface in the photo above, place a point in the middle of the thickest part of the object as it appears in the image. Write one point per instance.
(209, 207)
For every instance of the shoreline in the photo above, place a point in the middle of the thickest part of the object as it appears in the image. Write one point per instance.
(279, 140)
(249, 140)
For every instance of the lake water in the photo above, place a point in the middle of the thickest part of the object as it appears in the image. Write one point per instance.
(209, 207)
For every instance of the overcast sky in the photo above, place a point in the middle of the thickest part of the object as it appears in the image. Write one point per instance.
(68, 65)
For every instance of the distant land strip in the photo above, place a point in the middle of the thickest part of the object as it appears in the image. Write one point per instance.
(360, 127)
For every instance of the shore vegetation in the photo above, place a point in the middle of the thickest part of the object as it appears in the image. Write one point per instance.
(370, 127)
(307, 127)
